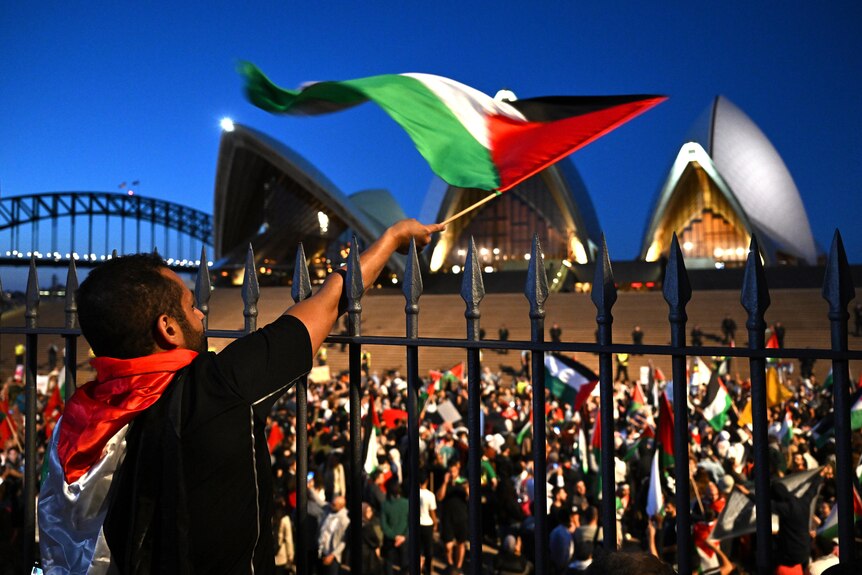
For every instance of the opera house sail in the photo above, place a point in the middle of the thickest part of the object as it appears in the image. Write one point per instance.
(726, 183)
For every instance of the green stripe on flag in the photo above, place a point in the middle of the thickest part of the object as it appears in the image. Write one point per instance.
(448, 147)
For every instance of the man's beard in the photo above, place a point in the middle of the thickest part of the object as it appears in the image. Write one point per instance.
(195, 339)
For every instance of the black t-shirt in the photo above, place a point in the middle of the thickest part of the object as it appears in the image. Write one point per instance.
(228, 478)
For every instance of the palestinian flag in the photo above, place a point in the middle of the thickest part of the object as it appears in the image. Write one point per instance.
(700, 373)
(7, 428)
(638, 400)
(665, 432)
(829, 529)
(827, 383)
(856, 414)
(655, 497)
(596, 446)
(526, 431)
(823, 430)
(371, 462)
(583, 451)
(716, 403)
(772, 343)
(468, 138)
(568, 380)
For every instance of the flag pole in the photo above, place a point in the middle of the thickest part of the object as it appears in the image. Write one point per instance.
(484, 200)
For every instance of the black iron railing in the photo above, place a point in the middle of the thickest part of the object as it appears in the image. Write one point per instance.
(837, 290)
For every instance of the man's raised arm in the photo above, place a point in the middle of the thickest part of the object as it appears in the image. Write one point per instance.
(320, 311)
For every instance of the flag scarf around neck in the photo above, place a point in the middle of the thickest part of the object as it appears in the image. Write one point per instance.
(468, 138)
(570, 381)
(99, 409)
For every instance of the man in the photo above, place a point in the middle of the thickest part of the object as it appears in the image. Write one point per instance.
(332, 539)
(176, 434)
(561, 544)
(728, 329)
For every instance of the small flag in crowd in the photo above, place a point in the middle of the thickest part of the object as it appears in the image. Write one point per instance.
(468, 138)
(276, 435)
(569, 380)
(655, 498)
(700, 373)
(665, 432)
(829, 529)
(776, 392)
(785, 434)
(716, 403)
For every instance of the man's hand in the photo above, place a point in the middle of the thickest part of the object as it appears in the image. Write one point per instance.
(405, 230)
(399, 540)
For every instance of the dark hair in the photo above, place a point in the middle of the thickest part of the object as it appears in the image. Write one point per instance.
(120, 301)
(625, 562)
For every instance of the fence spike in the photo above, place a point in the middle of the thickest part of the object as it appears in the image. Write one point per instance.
(536, 289)
(114, 254)
(838, 287)
(250, 292)
(604, 292)
(156, 251)
(676, 287)
(301, 288)
(203, 287)
(472, 290)
(72, 295)
(31, 312)
(412, 289)
(755, 292)
(355, 287)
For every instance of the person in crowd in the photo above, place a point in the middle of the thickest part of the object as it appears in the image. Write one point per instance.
(394, 522)
(427, 523)
(556, 333)
(503, 335)
(453, 495)
(284, 546)
(561, 546)
(696, 336)
(728, 329)
(637, 335)
(332, 539)
(510, 561)
(372, 542)
(622, 368)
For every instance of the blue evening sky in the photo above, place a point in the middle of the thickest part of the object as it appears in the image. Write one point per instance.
(96, 93)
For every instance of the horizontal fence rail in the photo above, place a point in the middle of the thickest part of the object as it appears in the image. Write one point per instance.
(838, 291)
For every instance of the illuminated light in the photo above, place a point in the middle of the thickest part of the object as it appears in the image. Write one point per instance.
(653, 252)
(740, 252)
(14, 252)
(102, 257)
(227, 124)
(224, 273)
(567, 263)
(197, 262)
(262, 269)
(323, 220)
(456, 269)
(29, 254)
(438, 256)
(578, 250)
(131, 192)
(68, 256)
(92, 256)
(526, 256)
(395, 280)
(209, 263)
(496, 251)
(483, 251)
(719, 265)
(650, 284)
(462, 252)
(170, 261)
(489, 269)
(556, 281)
(687, 246)
(718, 252)
(637, 285)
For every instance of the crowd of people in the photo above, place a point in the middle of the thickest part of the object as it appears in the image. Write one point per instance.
(720, 458)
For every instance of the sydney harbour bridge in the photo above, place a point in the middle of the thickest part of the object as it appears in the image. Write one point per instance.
(88, 227)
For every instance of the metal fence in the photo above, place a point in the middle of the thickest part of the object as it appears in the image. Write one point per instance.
(837, 290)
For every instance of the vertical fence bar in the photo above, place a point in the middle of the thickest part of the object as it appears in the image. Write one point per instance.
(412, 287)
(677, 293)
(472, 292)
(31, 315)
(355, 289)
(70, 355)
(838, 291)
(604, 295)
(755, 300)
(301, 290)
(536, 292)
(203, 288)
(250, 292)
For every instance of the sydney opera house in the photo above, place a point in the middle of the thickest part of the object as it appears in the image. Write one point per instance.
(726, 183)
